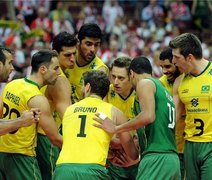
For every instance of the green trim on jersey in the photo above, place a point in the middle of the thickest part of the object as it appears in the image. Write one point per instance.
(31, 82)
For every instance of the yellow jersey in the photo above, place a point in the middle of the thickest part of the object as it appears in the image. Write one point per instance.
(16, 95)
(82, 142)
(166, 84)
(196, 95)
(125, 105)
(75, 76)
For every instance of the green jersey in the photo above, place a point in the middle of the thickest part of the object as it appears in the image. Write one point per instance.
(160, 135)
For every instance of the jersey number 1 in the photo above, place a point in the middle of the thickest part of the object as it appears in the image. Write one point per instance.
(82, 126)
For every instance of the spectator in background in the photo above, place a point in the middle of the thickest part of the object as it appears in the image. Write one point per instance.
(179, 14)
(119, 29)
(111, 10)
(26, 8)
(143, 30)
(200, 11)
(113, 53)
(151, 13)
(44, 23)
(55, 14)
(90, 12)
(156, 69)
(62, 25)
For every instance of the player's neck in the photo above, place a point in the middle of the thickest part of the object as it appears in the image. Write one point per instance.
(126, 93)
(95, 96)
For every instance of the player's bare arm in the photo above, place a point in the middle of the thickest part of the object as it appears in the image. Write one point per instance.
(46, 121)
(145, 91)
(60, 94)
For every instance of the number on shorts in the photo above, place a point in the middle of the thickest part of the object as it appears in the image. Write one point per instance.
(82, 126)
(171, 116)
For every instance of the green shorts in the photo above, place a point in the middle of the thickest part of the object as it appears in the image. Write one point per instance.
(47, 155)
(198, 160)
(18, 167)
(182, 165)
(122, 173)
(76, 171)
(159, 166)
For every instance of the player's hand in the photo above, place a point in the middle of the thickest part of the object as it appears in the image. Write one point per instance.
(36, 113)
(104, 123)
(30, 116)
(120, 158)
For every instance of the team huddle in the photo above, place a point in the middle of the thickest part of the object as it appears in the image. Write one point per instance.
(73, 118)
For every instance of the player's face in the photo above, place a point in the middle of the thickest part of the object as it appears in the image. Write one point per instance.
(180, 61)
(67, 57)
(168, 69)
(120, 80)
(88, 48)
(6, 68)
(52, 72)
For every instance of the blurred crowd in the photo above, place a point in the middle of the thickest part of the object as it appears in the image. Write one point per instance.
(131, 28)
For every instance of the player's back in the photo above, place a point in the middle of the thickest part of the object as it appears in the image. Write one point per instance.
(82, 142)
(160, 135)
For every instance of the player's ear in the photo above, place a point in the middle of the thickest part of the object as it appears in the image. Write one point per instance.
(43, 69)
(88, 87)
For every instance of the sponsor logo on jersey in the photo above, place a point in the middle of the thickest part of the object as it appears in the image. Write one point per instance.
(205, 89)
(197, 107)
(194, 102)
(112, 94)
(93, 65)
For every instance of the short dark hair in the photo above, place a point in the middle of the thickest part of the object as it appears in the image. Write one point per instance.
(4, 49)
(63, 39)
(187, 43)
(166, 54)
(141, 65)
(98, 80)
(121, 62)
(91, 30)
(42, 57)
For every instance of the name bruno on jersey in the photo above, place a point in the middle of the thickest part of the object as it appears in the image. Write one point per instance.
(85, 109)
